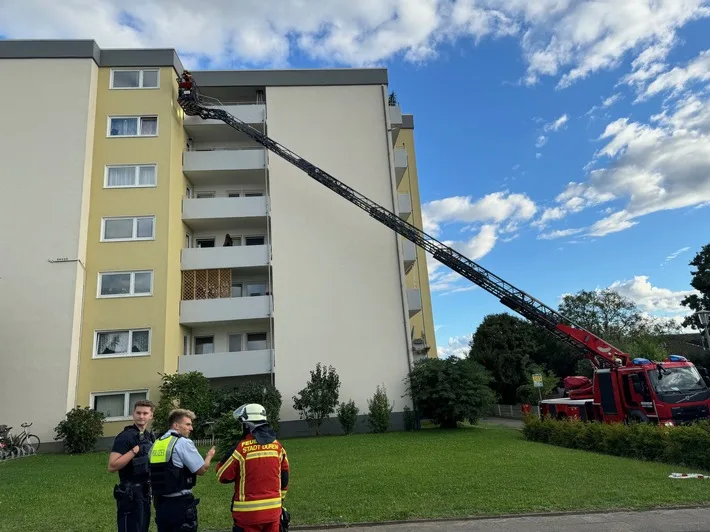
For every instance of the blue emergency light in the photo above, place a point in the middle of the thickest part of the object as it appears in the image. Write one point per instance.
(677, 358)
(641, 361)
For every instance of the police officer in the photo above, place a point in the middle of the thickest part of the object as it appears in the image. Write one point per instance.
(175, 464)
(129, 456)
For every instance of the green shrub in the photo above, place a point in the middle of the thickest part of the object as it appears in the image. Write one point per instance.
(227, 432)
(684, 445)
(347, 416)
(319, 398)
(191, 391)
(228, 400)
(379, 416)
(80, 430)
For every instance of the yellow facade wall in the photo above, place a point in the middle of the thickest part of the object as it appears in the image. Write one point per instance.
(418, 276)
(159, 312)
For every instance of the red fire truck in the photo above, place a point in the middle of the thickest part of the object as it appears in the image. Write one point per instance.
(669, 392)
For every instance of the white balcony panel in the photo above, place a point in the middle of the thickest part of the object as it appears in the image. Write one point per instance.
(404, 205)
(236, 364)
(222, 213)
(409, 250)
(201, 130)
(207, 166)
(400, 163)
(414, 301)
(225, 257)
(224, 310)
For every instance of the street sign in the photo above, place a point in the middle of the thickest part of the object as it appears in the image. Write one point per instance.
(537, 380)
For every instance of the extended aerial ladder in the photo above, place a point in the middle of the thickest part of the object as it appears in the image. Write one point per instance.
(599, 352)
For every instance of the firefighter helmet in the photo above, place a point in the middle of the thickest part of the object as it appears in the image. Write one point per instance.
(251, 412)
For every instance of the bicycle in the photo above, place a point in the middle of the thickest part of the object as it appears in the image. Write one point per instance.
(27, 439)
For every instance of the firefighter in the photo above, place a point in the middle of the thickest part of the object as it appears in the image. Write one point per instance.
(129, 456)
(175, 465)
(259, 468)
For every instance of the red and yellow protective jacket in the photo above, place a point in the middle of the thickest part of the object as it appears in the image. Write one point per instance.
(258, 466)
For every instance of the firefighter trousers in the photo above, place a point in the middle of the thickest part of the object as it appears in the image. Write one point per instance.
(274, 526)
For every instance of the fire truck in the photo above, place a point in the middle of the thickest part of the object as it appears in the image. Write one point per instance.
(623, 389)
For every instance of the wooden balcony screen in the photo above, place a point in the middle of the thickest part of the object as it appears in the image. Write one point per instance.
(206, 284)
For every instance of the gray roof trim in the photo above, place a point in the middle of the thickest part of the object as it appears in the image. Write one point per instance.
(407, 121)
(88, 49)
(286, 78)
(62, 49)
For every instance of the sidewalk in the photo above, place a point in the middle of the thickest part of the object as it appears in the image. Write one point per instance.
(682, 520)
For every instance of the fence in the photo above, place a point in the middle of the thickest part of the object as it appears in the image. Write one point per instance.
(514, 411)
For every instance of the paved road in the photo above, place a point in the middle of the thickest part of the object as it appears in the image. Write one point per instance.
(686, 520)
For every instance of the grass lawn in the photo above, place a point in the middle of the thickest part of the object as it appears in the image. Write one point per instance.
(431, 473)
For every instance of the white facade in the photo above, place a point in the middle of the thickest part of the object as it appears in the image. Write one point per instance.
(338, 277)
(46, 168)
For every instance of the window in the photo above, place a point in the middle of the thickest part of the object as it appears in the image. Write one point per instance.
(125, 284)
(254, 240)
(132, 175)
(132, 342)
(205, 242)
(205, 195)
(254, 195)
(135, 79)
(256, 341)
(204, 345)
(256, 289)
(133, 126)
(117, 405)
(235, 342)
(122, 229)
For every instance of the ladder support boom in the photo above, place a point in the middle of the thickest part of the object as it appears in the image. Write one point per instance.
(599, 352)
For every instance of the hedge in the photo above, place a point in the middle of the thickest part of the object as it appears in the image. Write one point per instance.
(683, 445)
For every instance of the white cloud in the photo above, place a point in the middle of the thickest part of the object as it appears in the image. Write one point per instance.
(676, 79)
(559, 234)
(541, 141)
(652, 167)
(457, 346)
(674, 255)
(496, 208)
(557, 37)
(652, 299)
(556, 124)
(447, 281)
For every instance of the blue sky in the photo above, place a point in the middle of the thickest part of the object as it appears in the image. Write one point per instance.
(513, 101)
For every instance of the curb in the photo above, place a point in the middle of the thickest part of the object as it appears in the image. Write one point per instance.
(374, 524)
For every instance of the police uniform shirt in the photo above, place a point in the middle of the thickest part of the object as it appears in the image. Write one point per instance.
(124, 442)
(185, 454)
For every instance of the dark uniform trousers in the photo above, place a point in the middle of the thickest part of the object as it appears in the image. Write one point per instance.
(133, 506)
(176, 514)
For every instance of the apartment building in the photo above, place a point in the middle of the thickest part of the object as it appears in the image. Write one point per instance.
(148, 242)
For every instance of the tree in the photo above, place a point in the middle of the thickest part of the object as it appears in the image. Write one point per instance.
(617, 320)
(701, 282)
(191, 391)
(508, 346)
(528, 393)
(319, 398)
(451, 390)
(266, 394)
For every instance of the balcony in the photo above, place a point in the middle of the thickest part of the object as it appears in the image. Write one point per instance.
(207, 299)
(225, 257)
(223, 310)
(409, 249)
(235, 364)
(218, 165)
(404, 205)
(414, 301)
(222, 213)
(201, 130)
(400, 163)
(395, 121)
